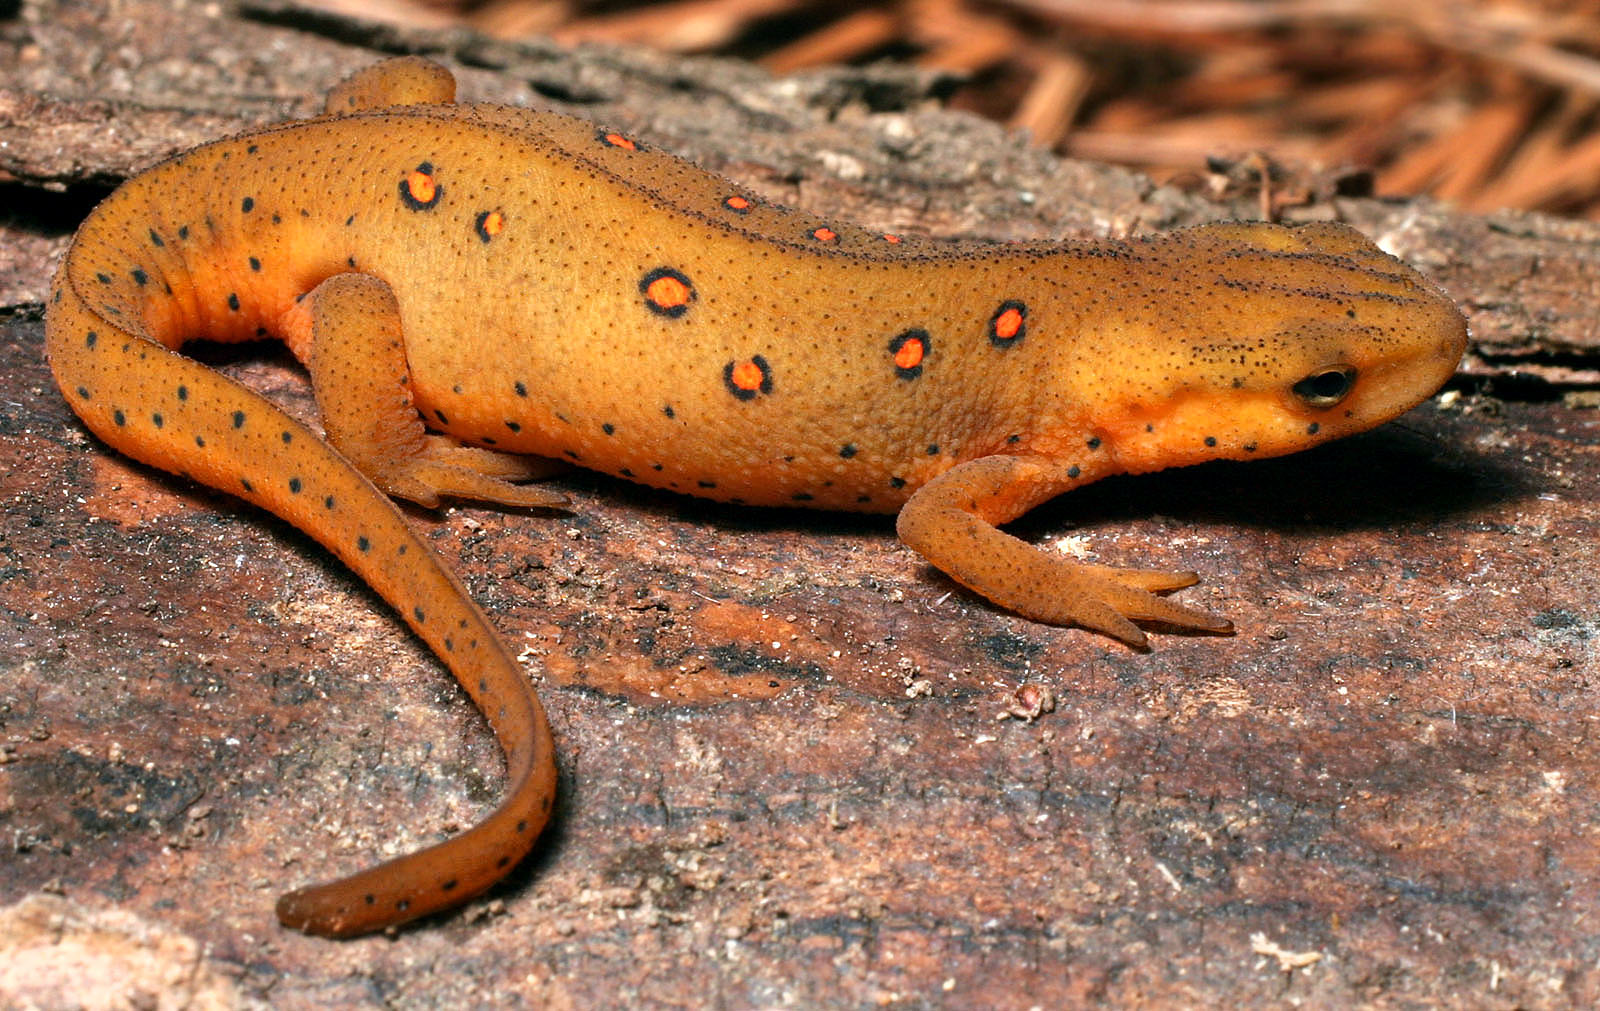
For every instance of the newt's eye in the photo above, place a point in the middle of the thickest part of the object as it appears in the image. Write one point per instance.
(1326, 387)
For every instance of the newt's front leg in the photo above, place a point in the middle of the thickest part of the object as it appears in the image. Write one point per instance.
(952, 522)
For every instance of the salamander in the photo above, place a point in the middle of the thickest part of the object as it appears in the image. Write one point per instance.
(477, 291)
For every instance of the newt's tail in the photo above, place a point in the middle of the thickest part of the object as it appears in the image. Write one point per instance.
(113, 353)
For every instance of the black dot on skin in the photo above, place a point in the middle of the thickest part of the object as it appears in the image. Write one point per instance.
(522, 391)
(288, 437)
(706, 484)
(362, 544)
(233, 301)
(667, 410)
(1211, 442)
(608, 428)
(449, 885)
(1313, 428)
(83, 392)
(847, 451)
(1073, 471)
(246, 483)
(419, 613)
(802, 496)
(200, 441)
(248, 204)
(522, 826)
(933, 450)
(1094, 443)
(897, 482)
(255, 264)
(89, 338)
(119, 418)
(157, 420)
(102, 278)
(183, 393)
(371, 900)
(513, 426)
(140, 277)
(294, 485)
(327, 503)
(238, 419)
(156, 240)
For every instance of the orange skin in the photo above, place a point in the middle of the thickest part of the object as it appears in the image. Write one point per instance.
(531, 287)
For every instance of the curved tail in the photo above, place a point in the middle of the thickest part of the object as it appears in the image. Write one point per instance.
(134, 391)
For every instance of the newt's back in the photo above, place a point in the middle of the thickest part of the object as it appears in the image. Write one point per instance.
(566, 293)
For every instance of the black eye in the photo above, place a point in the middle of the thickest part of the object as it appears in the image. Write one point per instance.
(1326, 387)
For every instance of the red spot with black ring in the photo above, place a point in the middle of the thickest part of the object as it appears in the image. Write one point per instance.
(1009, 324)
(747, 378)
(419, 190)
(667, 292)
(909, 351)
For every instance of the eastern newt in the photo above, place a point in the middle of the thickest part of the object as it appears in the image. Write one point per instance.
(472, 287)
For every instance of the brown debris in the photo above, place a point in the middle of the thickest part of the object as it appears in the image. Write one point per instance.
(1487, 103)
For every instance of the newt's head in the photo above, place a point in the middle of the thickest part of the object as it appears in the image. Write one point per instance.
(1266, 339)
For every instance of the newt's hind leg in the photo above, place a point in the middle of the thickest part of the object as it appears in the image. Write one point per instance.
(952, 521)
(404, 80)
(363, 387)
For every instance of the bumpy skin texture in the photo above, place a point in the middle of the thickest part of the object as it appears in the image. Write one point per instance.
(528, 285)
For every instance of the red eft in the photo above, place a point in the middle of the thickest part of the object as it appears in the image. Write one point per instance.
(470, 286)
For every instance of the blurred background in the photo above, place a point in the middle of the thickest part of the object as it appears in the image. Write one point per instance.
(1489, 104)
